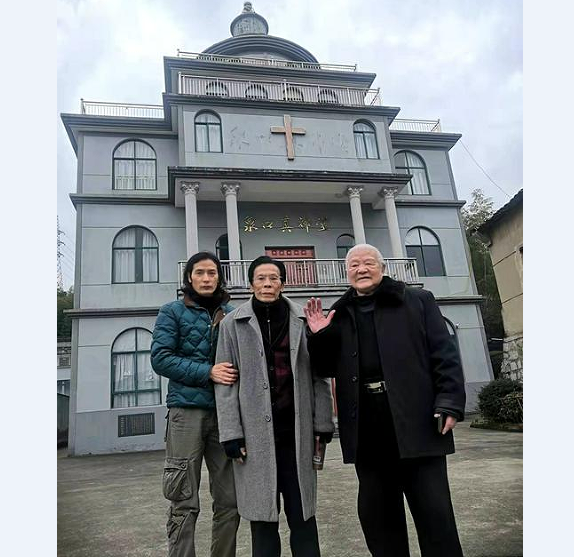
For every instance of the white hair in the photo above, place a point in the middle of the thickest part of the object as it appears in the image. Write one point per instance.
(365, 247)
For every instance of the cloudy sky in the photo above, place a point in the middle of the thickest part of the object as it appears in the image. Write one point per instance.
(460, 61)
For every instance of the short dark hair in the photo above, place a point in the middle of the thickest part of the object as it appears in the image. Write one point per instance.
(196, 258)
(266, 260)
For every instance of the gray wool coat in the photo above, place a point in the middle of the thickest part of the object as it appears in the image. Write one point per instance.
(244, 411)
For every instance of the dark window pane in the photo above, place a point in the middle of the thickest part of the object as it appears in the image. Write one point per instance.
(417, 253)
(433, 261)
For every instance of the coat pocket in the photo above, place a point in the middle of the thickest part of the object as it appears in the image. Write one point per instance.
(176, 484)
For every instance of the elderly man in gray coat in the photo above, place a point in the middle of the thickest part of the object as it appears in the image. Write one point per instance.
(270, 418)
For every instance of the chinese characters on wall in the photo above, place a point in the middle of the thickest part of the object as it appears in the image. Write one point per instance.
(319, 224)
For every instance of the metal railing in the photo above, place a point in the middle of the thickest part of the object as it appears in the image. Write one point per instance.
(203, 86)
(415, 125)
(254, 61)
(121, 109)
(310, 273)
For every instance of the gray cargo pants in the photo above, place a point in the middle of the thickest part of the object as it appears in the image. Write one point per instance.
(191, 435)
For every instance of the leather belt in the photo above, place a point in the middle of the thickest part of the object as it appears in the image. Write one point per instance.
(376, 387)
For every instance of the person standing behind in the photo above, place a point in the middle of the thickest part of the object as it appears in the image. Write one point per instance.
(183, 349)
(270, 417)
(397, 373)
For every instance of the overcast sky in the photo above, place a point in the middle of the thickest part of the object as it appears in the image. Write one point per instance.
(460, 61)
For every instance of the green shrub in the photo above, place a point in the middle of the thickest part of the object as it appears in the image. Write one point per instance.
(499, 401)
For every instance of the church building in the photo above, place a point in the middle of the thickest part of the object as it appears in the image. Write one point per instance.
(258, 148)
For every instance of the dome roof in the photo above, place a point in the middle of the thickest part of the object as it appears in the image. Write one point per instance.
(250, 37)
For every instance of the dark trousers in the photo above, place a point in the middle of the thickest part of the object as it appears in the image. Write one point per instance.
(384, 478)
(303, 538)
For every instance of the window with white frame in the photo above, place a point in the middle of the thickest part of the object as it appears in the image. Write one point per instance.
(135, 256)
(134, 383)
(407, 162)
(216, 89)
(134, 166)
(424, 246)
(365, 140)
(208, 138)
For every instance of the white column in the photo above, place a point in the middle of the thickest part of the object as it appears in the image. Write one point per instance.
(354, 194)
(190, 190)
(393, 222)
(230, 192)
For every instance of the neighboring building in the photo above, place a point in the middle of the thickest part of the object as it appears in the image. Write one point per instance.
(64, 358)
(258, 148)
(504, 230)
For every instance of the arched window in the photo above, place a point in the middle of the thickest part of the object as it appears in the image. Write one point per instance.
(365, 140)
(423, 245)
(327, 96)
(208, 138)
(134, 383)
(293, 94)
(135, 256)
(344, 243)
(256, 91)
(216, 89)
(134, 166)
(222, 247)
(407, 162)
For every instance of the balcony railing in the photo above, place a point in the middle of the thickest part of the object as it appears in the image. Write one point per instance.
(311, 273)
(415, 125)
(121, 109)
(203, 86)
(254, 61)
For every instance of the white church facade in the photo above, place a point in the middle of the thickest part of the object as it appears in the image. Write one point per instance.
(257, 148)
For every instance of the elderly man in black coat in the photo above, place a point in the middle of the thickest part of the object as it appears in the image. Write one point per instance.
(400, 392)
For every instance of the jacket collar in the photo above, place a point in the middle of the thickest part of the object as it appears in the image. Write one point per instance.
(389, 292)
(191, 304)
(245, 310)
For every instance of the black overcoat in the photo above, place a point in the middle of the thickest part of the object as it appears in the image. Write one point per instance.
(420, 363)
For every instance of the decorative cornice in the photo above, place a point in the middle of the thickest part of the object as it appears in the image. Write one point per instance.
(111, 312)
(227, 175)
(122, 199)
(115, 124)
(402, 138)
(189, 187)
(447, 300)
(401, 202)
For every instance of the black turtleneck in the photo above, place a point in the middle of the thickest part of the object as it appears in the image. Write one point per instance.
(369, 359)
(210, 303)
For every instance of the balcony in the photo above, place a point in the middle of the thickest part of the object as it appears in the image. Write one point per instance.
(286, 91)
(415, 125)
(265, 62)
(311, 273)
(121, 109)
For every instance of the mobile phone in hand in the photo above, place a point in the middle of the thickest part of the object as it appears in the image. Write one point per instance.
(440, 422)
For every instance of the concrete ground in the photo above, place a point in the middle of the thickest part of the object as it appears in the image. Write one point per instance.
(112, 505)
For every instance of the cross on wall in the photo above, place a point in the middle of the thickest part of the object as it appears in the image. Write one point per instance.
(289, 131)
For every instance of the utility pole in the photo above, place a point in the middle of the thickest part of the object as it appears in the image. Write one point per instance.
(60, 277)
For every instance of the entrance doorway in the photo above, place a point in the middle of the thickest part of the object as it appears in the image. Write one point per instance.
(300, 270)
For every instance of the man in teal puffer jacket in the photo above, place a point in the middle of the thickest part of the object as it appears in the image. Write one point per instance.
(183, 350)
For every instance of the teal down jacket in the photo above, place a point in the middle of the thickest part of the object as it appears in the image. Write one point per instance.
(183, 350)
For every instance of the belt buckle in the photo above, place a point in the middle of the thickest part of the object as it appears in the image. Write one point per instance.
(376, 387)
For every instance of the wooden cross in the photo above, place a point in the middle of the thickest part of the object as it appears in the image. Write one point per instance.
(289, 131)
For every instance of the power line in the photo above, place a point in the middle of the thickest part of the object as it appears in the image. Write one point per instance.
(484, 171)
